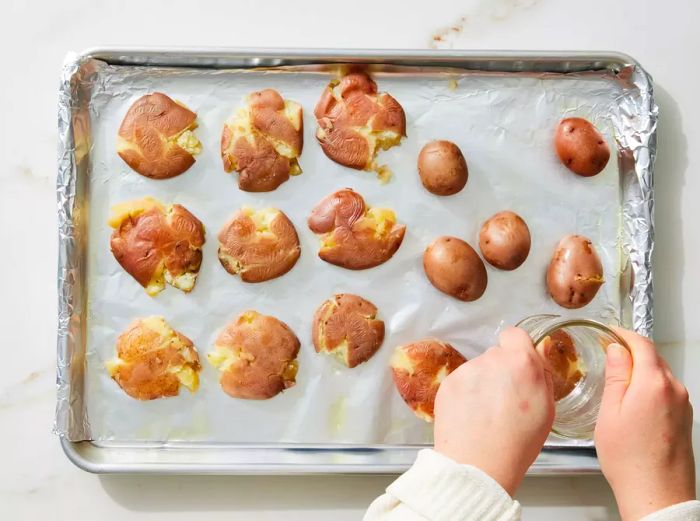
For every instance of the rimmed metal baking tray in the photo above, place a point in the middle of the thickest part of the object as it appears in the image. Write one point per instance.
(635, 161)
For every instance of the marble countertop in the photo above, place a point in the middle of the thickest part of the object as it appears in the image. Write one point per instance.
(36, 479)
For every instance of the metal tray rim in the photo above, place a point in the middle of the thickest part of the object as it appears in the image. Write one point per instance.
(375, 54)
(579, 462)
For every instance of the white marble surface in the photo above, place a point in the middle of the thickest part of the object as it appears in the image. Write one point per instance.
(36, 480)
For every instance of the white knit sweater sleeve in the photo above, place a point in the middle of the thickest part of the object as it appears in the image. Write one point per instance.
(436, 488)
(688, 511)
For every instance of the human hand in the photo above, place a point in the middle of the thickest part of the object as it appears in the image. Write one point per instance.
(495, 411)
(643, 433)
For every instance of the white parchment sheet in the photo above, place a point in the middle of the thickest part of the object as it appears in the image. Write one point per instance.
(505, 128)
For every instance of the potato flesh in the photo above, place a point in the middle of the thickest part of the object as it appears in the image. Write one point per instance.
(188, 141)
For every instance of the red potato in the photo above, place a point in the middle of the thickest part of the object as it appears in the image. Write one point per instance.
(355, 122)
(563, 362)
(580, 147)
(418, 370)
(256, 356)
(263, 140)
(258, 245)
(156, 137)
(153, 360)
(453, 267)
(347, 326)
(156, 244)
(354, 236)
(442, 168)
(504, 240)
(575, 272)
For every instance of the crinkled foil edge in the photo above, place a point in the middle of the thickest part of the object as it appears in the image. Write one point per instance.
(71, 420)
(635, 132)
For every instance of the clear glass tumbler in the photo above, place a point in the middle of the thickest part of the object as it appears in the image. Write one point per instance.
(577, 412)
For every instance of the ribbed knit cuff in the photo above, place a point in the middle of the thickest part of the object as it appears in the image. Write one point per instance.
(688, 511)
(438, 488)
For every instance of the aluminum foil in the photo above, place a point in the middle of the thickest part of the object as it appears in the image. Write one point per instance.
(504, 124)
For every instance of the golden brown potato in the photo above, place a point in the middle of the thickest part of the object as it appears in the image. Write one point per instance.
(419, 369)
(258, 245)
(156, 138)
(263, 141)
(575, 272)
(256, 355)
(354, 236)
(155, 244)
(347, 326)
(442, 168)
(504, 240)
(153, 360)
(562, 358)
(355, 122)
(453, 267)
(581, 147)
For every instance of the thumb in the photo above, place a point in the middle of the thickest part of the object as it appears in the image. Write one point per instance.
(618, 369)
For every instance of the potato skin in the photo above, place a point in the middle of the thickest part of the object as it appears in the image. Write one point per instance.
(453, 267)
(351, 320)
(146, 356)
(504, 240)
(354, 236)
(563, 362)
(147, 133)
(351, 108)
(248, 141)
(419, 368)
(254, 255)
(151, 240)
(580, 147)
(265, 364)
(575, 272)
(442, 168)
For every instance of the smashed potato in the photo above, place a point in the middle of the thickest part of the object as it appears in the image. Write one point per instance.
(354, 236)
(562, 358)
(155, 244)
(418, 370)
(347, 326)
(156, 137)
(153, 360)
(258, 245)
(256, 355)
(263, 141)
(355, 122)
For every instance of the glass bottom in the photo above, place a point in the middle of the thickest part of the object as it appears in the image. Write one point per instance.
(576, 412)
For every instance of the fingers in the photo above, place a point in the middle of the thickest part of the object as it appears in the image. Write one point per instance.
(646, 360)
(515, 339)
(644, 366)
(618, 371)
(642, 348)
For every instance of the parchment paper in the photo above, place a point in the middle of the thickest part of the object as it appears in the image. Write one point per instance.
(504, 126)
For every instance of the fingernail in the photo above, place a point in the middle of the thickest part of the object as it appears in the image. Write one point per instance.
(615, 352)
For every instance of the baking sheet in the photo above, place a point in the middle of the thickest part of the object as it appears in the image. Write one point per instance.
(504, 125)
(85, 79)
